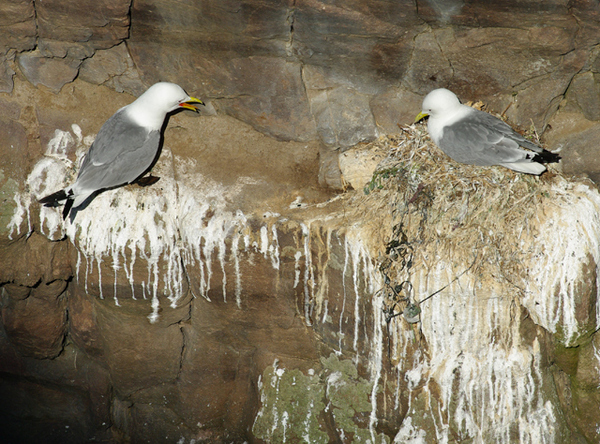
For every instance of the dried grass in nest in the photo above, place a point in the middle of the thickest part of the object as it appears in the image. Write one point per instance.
(421, 206)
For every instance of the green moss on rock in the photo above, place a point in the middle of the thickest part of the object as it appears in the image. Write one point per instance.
(312, 407)
(291, 405)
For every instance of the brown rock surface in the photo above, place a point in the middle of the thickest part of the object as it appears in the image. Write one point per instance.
(34, 304)
(279, 310)
(53, 73)
(254, 60)
(33, 261)
(102, 23)
(36, 327)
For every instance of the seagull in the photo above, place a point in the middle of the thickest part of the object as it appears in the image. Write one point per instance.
(475, 137)
(125, 148)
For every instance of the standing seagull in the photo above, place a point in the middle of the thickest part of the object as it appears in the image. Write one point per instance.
(474, 137)
(125, 148)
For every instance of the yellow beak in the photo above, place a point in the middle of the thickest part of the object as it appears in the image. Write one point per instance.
(421, 116)
(188, 103)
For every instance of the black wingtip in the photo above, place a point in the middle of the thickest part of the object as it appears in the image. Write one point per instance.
(54, 199)
(67, 208)
(546, 157)
(57, 199)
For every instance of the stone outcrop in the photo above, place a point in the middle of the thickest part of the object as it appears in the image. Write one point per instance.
(195, 315)
(310, 70)
(240, 298)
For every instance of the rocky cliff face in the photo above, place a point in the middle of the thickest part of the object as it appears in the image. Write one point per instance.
(241, 299)
(339, 73)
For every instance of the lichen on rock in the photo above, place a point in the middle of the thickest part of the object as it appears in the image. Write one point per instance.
(330, 401)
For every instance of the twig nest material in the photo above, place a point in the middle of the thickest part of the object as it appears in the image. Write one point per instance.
(489, 223)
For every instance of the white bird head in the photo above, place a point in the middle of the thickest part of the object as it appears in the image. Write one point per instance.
(151, 108)
(437, 102)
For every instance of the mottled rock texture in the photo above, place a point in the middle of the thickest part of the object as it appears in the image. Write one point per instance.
(289, 86)
(336, 72)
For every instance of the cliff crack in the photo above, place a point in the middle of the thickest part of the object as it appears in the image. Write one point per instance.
(444, 55)
(290, 20)
(37, 27)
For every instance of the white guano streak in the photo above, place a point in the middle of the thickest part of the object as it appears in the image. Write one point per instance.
(167, 228)
(568, 244)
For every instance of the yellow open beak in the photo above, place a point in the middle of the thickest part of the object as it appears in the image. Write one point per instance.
(421, 116)
(188, 104)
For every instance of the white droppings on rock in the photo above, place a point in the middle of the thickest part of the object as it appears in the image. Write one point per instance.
(309, 284)
(567, 254)
(488, 379)
(169, 228)
(297, 271)
(408, 434)
(60, 143)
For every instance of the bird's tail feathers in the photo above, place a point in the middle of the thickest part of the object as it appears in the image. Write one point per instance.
(56, 199)
(67, 208)
(60, 197)
(546, 157)
(526, 167)
(539, 154)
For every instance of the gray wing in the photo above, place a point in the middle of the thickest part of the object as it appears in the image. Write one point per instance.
(482, 139)
(121, 153)
(499, 126)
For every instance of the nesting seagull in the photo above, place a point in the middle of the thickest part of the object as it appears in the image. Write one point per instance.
(125, 148)
(474, 137)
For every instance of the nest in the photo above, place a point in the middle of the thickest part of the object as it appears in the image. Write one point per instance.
(421, 206)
